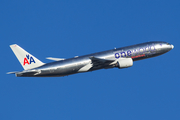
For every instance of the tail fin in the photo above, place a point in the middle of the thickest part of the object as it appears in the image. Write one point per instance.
(27, 60)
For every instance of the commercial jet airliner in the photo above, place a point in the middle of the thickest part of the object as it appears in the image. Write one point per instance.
(120, 58)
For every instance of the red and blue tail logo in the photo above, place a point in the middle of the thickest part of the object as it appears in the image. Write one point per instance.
(28, 60)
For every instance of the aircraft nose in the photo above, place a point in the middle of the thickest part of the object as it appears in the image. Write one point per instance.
(172, 46)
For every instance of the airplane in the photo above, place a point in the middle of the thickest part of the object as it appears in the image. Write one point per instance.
(120, 58)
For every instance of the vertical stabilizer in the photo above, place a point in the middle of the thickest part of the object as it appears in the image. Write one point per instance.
(27, 60)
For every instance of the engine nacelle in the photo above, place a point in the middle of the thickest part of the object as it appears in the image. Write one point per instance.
(124, 63)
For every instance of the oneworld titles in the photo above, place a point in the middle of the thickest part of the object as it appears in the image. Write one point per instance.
(149, 49)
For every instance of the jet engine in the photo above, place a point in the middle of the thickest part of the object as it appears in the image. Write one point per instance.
(124, 63)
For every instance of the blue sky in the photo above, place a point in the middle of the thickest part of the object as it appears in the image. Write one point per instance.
(148, 90)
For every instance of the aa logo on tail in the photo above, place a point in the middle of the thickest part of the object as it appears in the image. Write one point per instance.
(28, 60)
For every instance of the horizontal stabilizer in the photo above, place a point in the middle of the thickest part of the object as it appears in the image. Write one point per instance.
(12, 72)
(55, 59)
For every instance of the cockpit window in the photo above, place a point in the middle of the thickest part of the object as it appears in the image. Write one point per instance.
(168, 44)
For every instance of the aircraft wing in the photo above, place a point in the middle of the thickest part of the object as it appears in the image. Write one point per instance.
(99, 61)
(95, 62)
